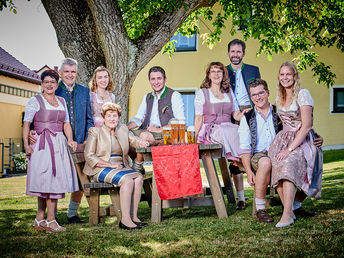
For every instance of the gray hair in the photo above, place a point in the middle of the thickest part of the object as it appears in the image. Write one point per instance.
(69, 61)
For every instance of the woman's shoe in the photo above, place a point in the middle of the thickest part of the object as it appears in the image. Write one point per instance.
(37, 225)
(48, 229)
(285, 224)
(140, 223)
(121, 225)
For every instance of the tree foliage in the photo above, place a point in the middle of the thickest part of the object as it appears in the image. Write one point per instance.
(280, 26)
(125, 35)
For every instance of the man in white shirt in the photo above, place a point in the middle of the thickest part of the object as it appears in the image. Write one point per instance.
(257, 129)
(156, 110)
(240, 75)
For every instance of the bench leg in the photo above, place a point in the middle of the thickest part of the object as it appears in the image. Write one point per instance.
(227, 181)
(116, 203)
(94, 206)
(214, 184)
(147, 187)
(156, 203)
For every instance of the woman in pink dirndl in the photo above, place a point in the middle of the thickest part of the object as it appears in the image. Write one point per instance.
(51, 172)
(101, 87)
(296, 161)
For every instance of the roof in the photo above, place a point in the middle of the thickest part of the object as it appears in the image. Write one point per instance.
(43, 68)
(11, 67)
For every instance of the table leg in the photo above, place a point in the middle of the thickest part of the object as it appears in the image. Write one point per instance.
(156, 203)
(214, 184)
(227, 181)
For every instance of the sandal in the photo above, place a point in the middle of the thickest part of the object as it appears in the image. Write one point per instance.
(48, 229)
(37, 225)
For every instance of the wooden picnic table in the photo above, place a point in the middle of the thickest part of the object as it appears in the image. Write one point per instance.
(207, 152)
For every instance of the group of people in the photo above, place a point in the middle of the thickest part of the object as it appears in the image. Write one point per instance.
(231, 109)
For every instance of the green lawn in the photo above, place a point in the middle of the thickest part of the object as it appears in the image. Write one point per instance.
(183, 232)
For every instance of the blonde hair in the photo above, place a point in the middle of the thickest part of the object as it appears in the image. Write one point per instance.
(111, 107)
(281, 92)
(93, 84)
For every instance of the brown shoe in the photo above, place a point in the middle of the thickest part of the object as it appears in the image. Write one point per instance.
(263, 216)
(241, 205)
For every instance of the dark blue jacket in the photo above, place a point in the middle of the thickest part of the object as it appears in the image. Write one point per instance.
(249, 73)
(82, 108)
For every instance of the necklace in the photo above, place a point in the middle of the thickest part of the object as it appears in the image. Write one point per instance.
(100, 96)
(52, 102)
(218, 95)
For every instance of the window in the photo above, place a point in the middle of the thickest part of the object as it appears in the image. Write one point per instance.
(337, 99)
(189, 104)
(185, 44)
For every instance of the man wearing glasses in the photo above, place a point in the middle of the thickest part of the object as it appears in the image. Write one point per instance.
(257, 129)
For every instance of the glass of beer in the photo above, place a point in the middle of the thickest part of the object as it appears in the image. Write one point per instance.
(174, 130)
(167, 134)
(181, 131)
(191, 134)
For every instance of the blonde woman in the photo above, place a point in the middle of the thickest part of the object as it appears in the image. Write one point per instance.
(101, 87)
(292, 152)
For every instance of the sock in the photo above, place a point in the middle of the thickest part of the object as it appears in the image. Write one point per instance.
(296, 205)
(260, 204)
(241, 196)
(73, 209)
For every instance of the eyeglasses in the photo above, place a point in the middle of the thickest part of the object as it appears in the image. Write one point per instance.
(259, 94)
(49, 82)
(216, 72)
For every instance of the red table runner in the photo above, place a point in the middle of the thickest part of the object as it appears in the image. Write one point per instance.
(177, 171)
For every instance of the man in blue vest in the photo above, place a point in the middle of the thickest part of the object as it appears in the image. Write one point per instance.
(80, 115)
(156, 110)
(257, 129)
(240, 76)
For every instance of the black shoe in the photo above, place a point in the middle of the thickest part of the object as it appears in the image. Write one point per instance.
(58, 221)
(140, 224)
(241, 205)
(121, 225)
(75, 219)
(301, 212)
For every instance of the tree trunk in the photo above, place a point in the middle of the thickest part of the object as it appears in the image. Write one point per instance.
(93, 33)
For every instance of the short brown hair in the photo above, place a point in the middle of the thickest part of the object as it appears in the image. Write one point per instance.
(111, 107)
(93, 84)
(256, 83)
(157, 69)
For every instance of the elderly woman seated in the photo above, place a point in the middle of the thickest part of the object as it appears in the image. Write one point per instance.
(106, 155)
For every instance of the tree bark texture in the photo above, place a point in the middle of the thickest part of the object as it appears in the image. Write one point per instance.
(93, 33)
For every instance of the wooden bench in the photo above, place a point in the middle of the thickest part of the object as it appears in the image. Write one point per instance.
(93, 190)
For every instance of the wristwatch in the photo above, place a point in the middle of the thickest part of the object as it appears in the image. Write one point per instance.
(290, 149)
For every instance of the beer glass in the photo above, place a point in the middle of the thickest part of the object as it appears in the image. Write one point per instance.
(191, 134)
(167, 134)
(174, 130)
(181, 131)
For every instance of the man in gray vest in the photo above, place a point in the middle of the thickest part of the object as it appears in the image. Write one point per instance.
(156, 110)
(257, 129)
(240, 75)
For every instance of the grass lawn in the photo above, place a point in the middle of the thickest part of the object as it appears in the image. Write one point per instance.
(184, 232)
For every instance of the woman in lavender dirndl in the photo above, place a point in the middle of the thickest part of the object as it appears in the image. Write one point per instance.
(296, 161)
(214, 107)
(101, 87)
(51, 172)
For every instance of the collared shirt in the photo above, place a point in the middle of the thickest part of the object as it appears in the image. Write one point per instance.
(265, 133)
(177, 108)
(241, 94)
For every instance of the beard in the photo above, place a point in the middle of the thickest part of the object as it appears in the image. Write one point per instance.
(235, 61)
